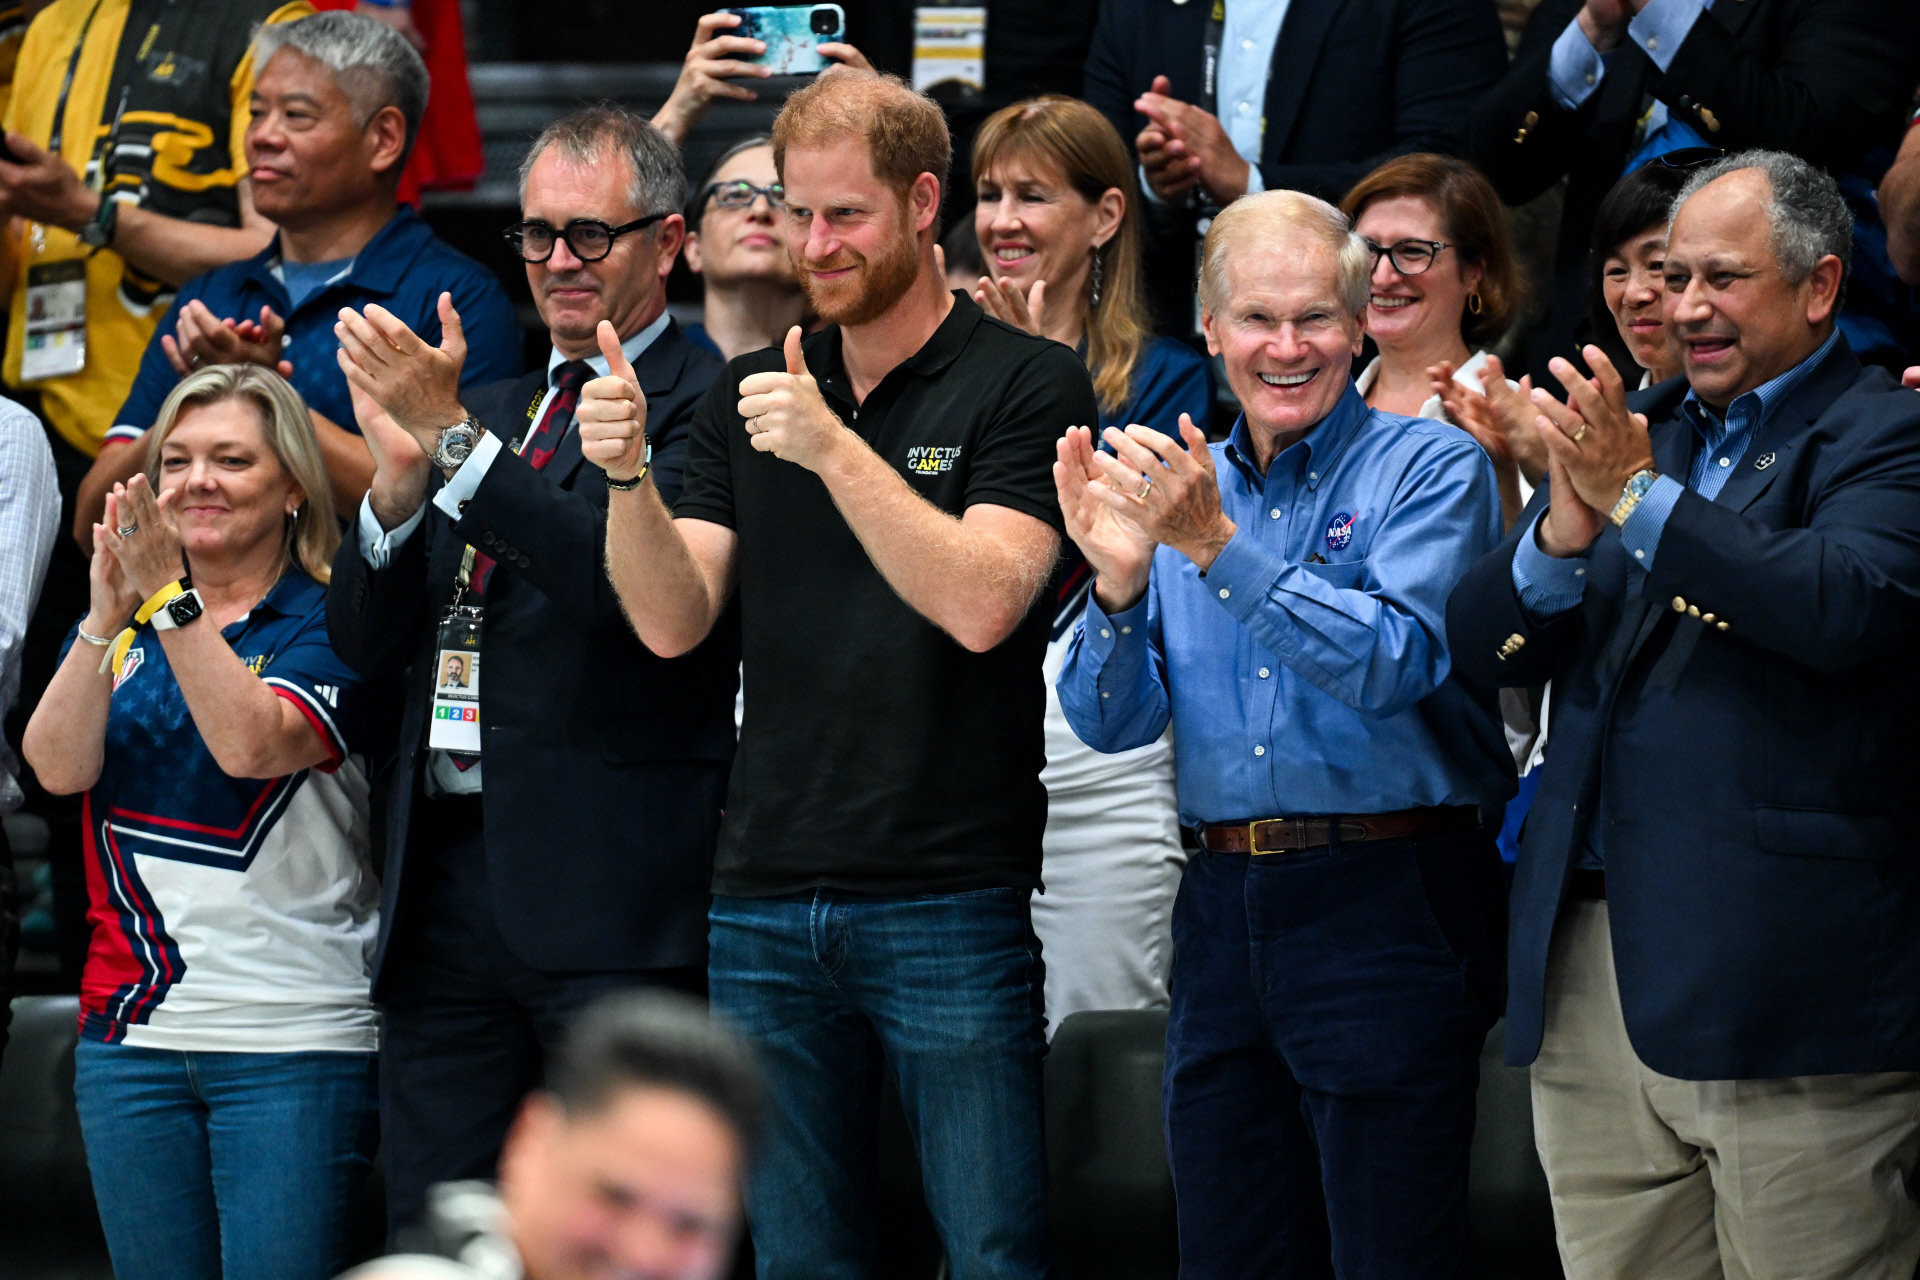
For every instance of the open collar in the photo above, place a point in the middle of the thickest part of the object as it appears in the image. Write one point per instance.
(1324, 443)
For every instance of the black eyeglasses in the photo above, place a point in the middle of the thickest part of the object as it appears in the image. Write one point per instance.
(589, 238)
(740, 194)
(1409, 257)
(1689, 157)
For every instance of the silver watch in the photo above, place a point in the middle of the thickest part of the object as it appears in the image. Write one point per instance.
(456, 443)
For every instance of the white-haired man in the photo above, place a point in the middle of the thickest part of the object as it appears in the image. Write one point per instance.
(1279, 597)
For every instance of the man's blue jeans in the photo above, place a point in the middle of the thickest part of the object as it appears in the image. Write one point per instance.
(226, 1166)
(950, 988)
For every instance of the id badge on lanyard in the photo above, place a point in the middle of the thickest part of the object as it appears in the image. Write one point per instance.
(453, 722)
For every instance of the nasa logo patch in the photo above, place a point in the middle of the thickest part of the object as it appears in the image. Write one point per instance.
(1340, 532)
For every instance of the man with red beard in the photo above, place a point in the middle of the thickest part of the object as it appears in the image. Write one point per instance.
(881, 498)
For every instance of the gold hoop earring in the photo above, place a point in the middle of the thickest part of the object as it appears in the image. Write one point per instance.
(1474, 304)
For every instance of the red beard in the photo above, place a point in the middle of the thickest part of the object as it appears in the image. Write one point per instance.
(872, 288)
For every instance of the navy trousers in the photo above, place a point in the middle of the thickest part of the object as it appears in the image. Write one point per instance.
(1329, 1008)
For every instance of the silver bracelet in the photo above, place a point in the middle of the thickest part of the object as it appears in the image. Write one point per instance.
(93, 639)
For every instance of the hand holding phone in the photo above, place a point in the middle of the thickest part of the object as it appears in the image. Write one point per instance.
(792, 34)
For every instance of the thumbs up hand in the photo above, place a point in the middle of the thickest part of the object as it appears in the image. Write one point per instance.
(613, 413)
(786, 415)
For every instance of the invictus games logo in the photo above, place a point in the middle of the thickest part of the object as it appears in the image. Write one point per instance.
(928, 460)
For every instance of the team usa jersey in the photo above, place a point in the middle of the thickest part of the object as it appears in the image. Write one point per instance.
(228, 913)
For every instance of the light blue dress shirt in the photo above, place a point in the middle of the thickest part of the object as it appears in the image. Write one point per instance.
(1576, 69)
(1306, 671)
(1549, 585)
(1247, 39)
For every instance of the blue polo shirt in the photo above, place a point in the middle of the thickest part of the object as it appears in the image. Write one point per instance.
(404, 268)
(235, 914)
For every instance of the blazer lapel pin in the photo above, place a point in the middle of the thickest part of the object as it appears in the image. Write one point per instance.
(1764, 461)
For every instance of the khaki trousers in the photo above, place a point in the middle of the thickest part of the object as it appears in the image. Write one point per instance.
(1655, 1178)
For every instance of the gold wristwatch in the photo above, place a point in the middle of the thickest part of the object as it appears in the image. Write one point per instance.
(1637, 485)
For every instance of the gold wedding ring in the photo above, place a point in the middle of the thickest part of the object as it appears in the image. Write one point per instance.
(1581, 432)
(1145, 489)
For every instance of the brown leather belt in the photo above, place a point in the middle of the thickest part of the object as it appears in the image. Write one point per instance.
(1587, 883)
(1291, 835)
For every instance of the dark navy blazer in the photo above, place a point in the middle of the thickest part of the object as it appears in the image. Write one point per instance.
(1756, 782)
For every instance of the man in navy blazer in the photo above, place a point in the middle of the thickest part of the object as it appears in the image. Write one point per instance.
(1309, 95)
(583, 863)
(1715, 938)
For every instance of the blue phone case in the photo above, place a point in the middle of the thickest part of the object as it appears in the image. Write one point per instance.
(794, 34)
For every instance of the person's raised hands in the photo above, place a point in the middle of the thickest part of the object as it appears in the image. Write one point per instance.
(401, 467)
(112, 599)
(1595, 445)
(1501, 419)
(150, 552)
(786, 415)
(1167, 487)
(845, 58)
(1183, 143)
(201, 338)
(418, 385)
(1002, 300)
(1119, 550)
(613, 413)
(713, 57)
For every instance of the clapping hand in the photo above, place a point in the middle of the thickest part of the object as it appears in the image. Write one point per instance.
(417, 385)
(201, 338)
(1501, 419)
(149, 553)
(401, 467)
(112, 598)
(1183, 144)
(613, 413)
(1594, 444)
(1001, 299)
(786, 415)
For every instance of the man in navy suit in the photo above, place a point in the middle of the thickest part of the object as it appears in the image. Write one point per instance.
(1715, 940)
(1308, 95)
(583, 862)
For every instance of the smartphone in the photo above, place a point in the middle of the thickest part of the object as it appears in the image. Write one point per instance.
(793, 34)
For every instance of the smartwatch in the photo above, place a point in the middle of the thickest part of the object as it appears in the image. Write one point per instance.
(178, 611)
(97, 231)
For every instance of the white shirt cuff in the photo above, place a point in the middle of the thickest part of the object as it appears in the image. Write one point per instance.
(377, 545)
(466, 479)
(1255, 183)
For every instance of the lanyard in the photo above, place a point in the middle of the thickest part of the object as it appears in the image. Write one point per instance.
(1210, 58)
(66, 84)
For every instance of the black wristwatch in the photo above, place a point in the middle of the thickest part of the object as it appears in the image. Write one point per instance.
(97, 231)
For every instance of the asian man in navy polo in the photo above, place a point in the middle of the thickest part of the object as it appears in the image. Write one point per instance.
(336, 108)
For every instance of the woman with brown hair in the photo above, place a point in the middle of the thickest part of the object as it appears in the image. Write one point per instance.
(1444, 283)
(1058, 225)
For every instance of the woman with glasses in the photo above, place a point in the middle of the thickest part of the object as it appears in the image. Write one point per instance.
(734, 245)
(225, 1071)
(1444, 283)
(1057, 223)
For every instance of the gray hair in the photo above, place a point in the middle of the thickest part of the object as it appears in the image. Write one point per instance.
(658, 184)
(371, 62)
(1272, 214)
(1809, 217)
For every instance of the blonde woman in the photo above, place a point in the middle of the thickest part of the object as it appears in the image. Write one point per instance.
(225, 1068)
(1057, 225)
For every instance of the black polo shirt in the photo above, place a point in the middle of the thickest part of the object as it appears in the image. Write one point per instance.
(878, 754)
